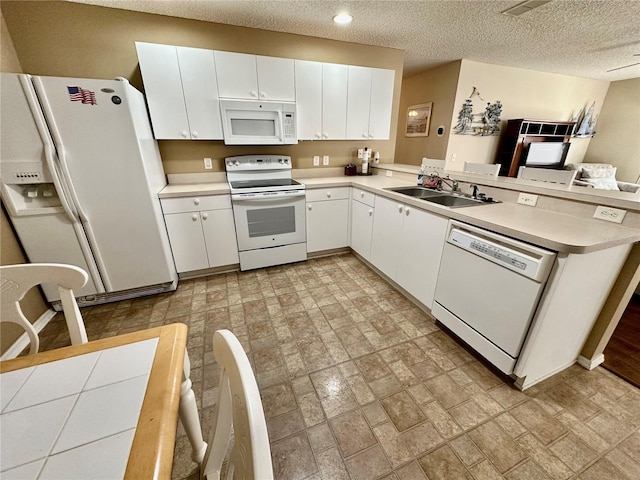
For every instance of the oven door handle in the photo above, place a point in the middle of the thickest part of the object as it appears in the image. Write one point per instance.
(266, 198)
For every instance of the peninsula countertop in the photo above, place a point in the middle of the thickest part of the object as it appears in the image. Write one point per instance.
(555, 231)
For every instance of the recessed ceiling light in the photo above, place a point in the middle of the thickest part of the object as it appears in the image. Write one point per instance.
(342, 18)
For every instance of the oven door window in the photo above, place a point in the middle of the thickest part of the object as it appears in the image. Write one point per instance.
(271, 221)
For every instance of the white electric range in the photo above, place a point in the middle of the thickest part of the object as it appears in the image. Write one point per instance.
(268, 209)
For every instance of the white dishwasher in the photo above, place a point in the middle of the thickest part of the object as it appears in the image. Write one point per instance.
(488, 290)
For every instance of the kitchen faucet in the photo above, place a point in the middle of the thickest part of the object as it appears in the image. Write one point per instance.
(446, 180)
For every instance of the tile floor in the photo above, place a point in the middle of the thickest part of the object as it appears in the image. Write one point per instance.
(358, 383)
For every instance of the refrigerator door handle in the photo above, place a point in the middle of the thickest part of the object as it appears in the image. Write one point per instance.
(62, 158)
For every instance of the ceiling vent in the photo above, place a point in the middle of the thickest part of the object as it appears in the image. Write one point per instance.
(524, 7)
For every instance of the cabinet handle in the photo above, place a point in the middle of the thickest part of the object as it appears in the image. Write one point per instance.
(361, 194)
(196, 201)
(370, 136)
(254, 94)
(184, 134)
(205, 216)
(406, 210)
(194, 134)
(324, 135)
(318, 135)
(194, 217)
(309, 207)
(364, 135)
(370, 212)
(399, 208)
(263, 95)
(328, 194)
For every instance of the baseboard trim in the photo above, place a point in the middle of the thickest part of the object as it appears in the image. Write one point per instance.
(22, 341)
(591, 363)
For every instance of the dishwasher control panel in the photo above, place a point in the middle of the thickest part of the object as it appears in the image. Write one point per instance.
(528, 260)
(498, 253)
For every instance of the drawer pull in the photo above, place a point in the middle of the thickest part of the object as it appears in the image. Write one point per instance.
(205, 216)
(194, 217)
(196, 201)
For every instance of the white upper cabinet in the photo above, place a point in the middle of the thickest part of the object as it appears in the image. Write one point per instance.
(382, 82)
(334, 101)
(370, 102)
(309, 99)
(181, 91)
(358, 104)
(252, 77)
(276, 78)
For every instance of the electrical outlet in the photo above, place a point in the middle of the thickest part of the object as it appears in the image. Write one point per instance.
(453, 157)
(207, 164)
(316, 160)
(609, 214)
(325, 160)
(360, 153)
(389, 173)
(528, 199)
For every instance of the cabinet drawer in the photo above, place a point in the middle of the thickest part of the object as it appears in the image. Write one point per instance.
(362, 196)
(319, 194)
(195, 204)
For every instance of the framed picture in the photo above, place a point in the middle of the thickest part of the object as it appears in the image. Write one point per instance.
(418, 118)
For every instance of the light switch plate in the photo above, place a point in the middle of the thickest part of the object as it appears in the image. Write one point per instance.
(389, 173)
(609, 214)
(207, 163)
(325, 160)
(316, 160)
(360, 153)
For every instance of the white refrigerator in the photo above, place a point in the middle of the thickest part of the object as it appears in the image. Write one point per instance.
(80, 174)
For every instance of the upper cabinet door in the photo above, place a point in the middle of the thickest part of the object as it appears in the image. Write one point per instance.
(237, 75)
(276, 79)
(200, 87)
(358, 102)
(163, 89)
(382, 82)
(334, 101)
(308, 77)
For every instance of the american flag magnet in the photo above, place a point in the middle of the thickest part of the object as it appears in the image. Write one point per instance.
(77, 94)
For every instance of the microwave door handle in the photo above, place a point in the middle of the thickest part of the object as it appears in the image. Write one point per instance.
(281, 126)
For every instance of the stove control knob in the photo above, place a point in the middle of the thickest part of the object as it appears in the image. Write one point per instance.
(286, 160)
(236, 163)
(281, 161)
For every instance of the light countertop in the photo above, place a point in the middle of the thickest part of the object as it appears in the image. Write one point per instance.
(548, 229)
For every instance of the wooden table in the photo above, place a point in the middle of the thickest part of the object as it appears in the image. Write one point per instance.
(109, 364)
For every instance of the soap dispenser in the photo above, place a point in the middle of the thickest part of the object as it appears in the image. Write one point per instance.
(421, 175)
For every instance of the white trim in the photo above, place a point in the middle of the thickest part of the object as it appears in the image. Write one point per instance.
(591, 363)
(19, 345)
(522, 383)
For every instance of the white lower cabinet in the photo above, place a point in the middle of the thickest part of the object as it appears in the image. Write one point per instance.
(327, 219)
(201, 232)
(407, 246)
(362, 213)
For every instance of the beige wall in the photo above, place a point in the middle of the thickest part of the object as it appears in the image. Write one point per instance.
(437, 85)
(10, 250)
(75, 40)
(524, 94)
(617, 139)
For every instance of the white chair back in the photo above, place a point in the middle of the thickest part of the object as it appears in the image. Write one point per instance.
(485, 169)
(545, 175)
(17, 280)
(434, 167)
(239, 409)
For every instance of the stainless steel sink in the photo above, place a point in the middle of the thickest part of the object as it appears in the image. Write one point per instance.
(416, 192)
(446, 199)
(453, 201)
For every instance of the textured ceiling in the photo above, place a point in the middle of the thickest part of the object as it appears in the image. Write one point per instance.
(583, 38)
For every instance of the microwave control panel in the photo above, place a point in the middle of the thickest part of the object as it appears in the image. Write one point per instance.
(289, 125)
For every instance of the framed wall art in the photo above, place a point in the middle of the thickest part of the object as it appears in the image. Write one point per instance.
(418, 118)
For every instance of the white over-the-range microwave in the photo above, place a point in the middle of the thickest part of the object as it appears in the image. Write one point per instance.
(251, 122)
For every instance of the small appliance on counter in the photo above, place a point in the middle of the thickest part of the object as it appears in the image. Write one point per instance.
(350, 169)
